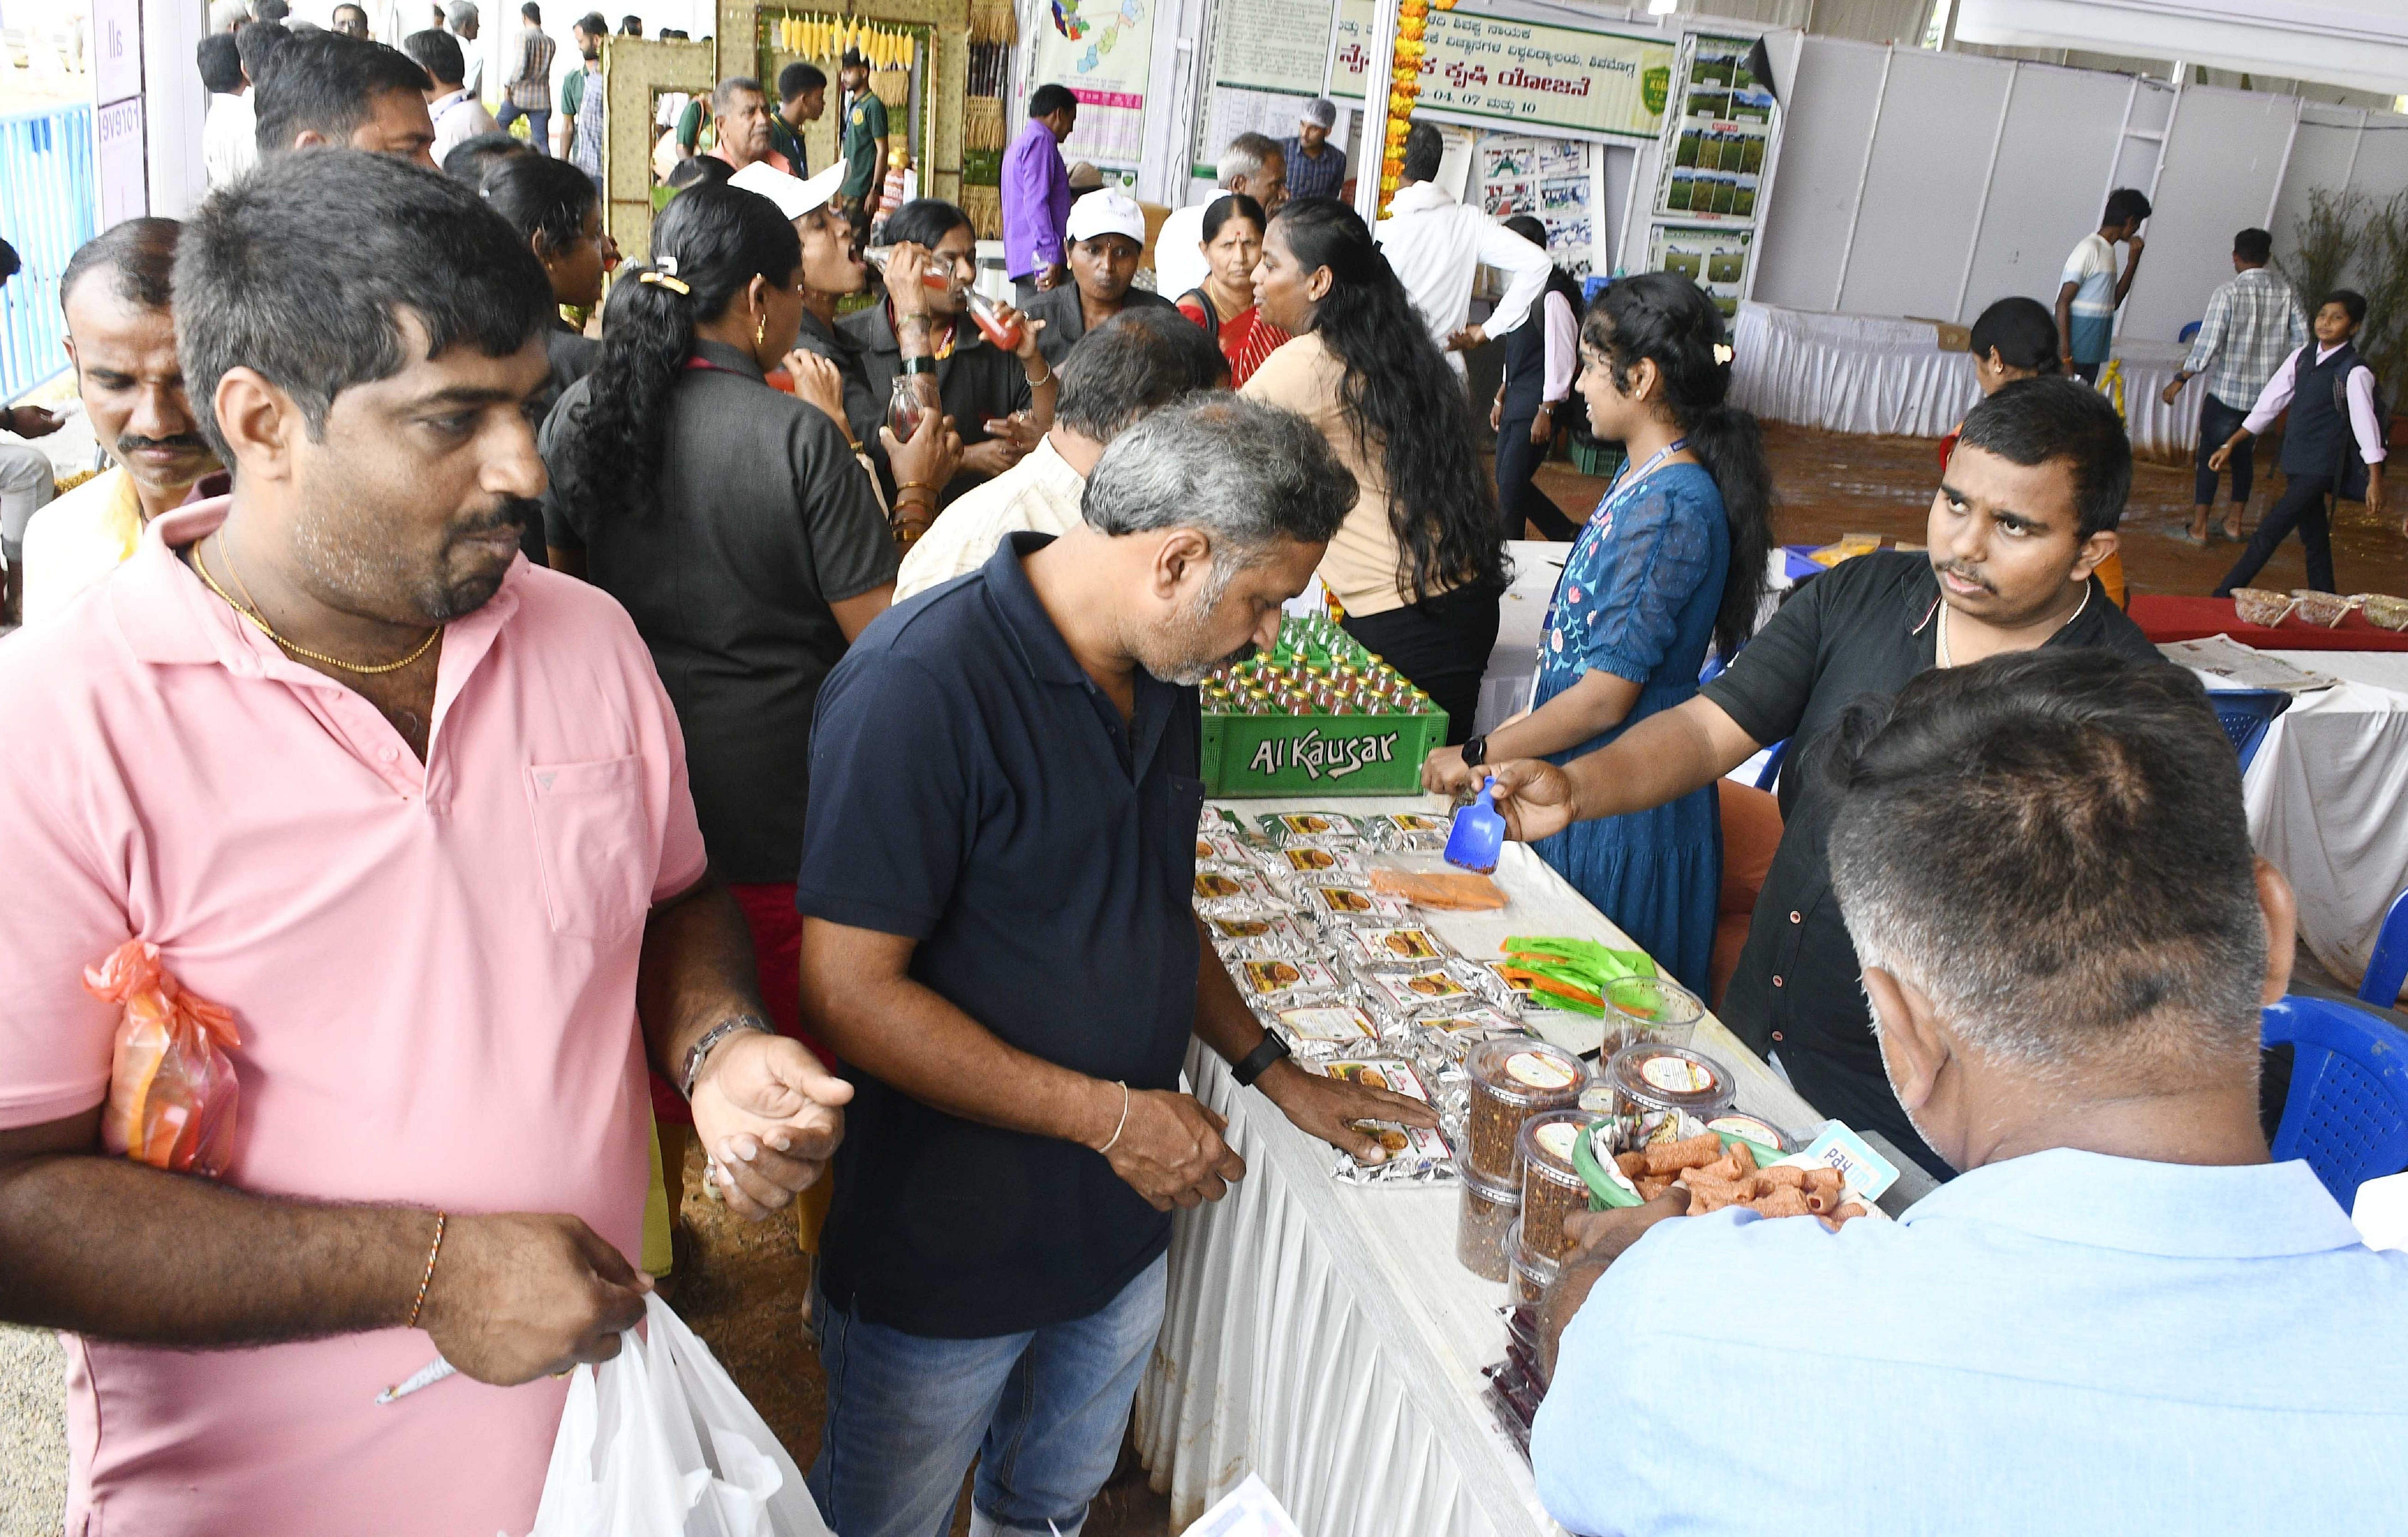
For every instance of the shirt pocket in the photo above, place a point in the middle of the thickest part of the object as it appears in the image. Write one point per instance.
(594, 843)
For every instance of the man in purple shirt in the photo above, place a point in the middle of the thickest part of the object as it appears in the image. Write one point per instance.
(1037, 194)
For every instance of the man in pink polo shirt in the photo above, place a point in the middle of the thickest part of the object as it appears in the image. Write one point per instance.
(417, 813)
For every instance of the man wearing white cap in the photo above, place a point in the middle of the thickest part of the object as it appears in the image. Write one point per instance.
(1105, 237)
(830, 270)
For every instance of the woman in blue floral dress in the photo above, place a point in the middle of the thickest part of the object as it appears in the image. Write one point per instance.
(1670, 566)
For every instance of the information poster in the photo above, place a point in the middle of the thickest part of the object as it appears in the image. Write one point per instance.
(1272, 45)
(1350, 50)
(1102, 51)
(1536, 76)
(1714, 151)
(1553, 182)
(1715, 259)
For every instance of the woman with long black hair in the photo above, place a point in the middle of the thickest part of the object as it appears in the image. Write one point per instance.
(734, 524)
(1541, 358)
(1672, 563)
(1419, 564)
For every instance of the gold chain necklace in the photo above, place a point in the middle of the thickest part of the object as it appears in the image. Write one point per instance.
(250, 610)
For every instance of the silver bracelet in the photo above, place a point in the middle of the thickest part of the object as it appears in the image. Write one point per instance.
(1116, 1137)
(696, 1053)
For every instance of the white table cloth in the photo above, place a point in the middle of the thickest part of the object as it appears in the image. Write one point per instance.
(1323, 1335)
(1867, 374)
(2324, 796)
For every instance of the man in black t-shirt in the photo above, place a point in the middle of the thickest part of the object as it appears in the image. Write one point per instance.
(998, 941)
(2026, 509)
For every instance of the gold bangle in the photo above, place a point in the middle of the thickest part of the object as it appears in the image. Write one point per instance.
(427, 1278)
(913, 485)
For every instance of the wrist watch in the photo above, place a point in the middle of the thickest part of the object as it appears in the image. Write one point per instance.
(1475, 751)
(1257, 1061)
(700, 1051)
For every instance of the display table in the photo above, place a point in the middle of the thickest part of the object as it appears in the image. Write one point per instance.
(2322, 797)
(1323, 1335)
(2164, 617)
(1869, 374)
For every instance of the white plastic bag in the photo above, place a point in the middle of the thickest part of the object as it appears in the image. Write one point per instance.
(659, 1441)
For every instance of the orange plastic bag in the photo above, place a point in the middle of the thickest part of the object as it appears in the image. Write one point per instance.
(172, 1093)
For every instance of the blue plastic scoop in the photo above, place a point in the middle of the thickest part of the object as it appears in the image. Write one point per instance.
(1478, 836)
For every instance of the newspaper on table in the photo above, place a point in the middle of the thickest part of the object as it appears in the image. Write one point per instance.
(2224, 663)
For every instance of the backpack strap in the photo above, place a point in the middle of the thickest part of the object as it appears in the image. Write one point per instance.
(1211, 316)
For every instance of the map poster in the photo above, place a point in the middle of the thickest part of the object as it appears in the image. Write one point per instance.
(1532, 76)
(1103, 52)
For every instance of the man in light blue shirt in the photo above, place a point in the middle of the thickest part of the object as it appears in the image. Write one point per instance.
(2121, 1317)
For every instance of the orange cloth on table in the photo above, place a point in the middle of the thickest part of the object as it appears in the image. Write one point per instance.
(2110, 571)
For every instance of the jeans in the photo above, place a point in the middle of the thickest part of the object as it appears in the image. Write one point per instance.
(2302, 506)
(2218, 423)
(1519, 500)
(538, 123)
(1043, 1413)
(26, 484)
(1442, 645)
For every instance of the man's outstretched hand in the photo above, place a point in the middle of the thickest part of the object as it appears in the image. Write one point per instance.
(1535, 796)
(1329, 1107)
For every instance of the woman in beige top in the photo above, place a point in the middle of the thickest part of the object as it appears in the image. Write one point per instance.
(1420, 563)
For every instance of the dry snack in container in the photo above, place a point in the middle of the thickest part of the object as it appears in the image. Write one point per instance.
(1483, 1223)
(2327, 609)
(2256, 606)
(1510, 1081)
(1533, 1272)
(1552, 1188)
(1416, 1154)
(1650, 1080)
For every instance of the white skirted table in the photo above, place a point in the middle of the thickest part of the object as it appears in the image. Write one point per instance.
(1323, 1334)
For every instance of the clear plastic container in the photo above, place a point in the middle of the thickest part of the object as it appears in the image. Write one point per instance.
(1552, 1188)
(1533, 1273)
(1486, 1216)
(1648, 1078)
(1510, 1081)
(1755, 1129)
(1651, 1008)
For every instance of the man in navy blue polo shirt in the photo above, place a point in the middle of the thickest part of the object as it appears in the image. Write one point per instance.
(998, 943)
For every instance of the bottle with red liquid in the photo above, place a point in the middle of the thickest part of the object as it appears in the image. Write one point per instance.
(992, 323)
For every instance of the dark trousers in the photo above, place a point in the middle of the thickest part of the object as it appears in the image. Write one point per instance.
(1442, 645)
(2087, 372)
(2303, 506)
(1519, 500)
(2218, 423)
(538, 123)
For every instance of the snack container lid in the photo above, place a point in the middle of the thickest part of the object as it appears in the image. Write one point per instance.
(1495, 1192)
(1548, 1139)
(1536, 1266)
(1754, 1129)
(1525, 1071)
(1668, 1077)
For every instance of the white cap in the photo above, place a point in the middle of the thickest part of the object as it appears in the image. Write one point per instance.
(1109, 211)
(793, 196)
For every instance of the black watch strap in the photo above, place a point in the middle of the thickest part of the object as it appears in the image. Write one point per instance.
(1258, 1061)
(1475, 751)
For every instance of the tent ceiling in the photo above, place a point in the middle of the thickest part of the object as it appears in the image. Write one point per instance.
(2360, 44)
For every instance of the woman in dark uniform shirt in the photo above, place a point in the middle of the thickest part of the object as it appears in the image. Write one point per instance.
(734, 523)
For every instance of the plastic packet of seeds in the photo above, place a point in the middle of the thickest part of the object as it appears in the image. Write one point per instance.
(1295, 862)
(1370, 950)
(1335, 906)
(1397, 999)
(1416, 1154)
(1405, 831)
(1258, 938)
(1333, 1028)
(1233, 893)
(1312, 829)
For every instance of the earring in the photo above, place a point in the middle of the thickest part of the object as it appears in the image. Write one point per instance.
(760, 332)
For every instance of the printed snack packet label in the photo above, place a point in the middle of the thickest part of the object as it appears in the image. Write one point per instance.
(1558, 1138)
(1219, 848)
(1258, 938)
(1394, 944)
(1406, 1145)
(1419, 990)
(1519, 986)
(1537, 1071)
(1311, 861)
(1868, 1172)
(1275, 976)
(1354, 901)
(1329, 1023)
(1218, 886)
(1306, 824)
(1472, 1024)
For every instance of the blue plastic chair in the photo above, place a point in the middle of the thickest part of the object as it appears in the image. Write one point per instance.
(2347, 1112)
(2388, 969)
(2244, 714)
(2186, 332)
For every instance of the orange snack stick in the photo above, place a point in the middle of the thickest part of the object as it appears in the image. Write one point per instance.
(1631, 1164)
(1743, 1155)
(1713, 1200)
(1782, 1203)
(1825, 1179)
(1787, 1176)
(1650, 1188)
(1670, 1157)
(1849, 1211)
